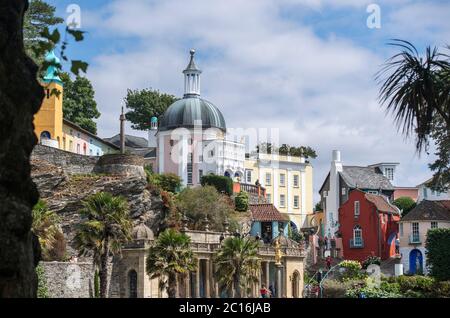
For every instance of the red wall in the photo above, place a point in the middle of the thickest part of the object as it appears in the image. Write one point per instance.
(368, 221)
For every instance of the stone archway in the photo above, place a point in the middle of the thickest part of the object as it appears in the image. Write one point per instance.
(296, 284)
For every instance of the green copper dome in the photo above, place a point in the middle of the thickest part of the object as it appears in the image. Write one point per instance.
(184, 113)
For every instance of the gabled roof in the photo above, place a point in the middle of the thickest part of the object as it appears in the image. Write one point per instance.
(429, 211)
(130, 141)
(365, 178)
(266, 212)
(382, 204)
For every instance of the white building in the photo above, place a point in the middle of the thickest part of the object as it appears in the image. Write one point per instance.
(425, 193)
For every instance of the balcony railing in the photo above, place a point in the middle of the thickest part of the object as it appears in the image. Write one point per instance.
(414, 239)
(250, 188)
(357, 243)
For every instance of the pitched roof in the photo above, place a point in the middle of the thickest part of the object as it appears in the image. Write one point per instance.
(130, 141)
(266, 212)
(94, 136)
(381, 203)
(429, 211)
(365, 178)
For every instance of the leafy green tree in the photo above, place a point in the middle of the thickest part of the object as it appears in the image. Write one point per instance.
(237, 264)
(46, 227)
(241, 201)
(170, 257)
(416, 90)
(405, 204)
(318, 206)
(438, 253)
(200, 202)
(166, 181)
(106, 225)
(285, 149)
(79, 105)
(145, 104)
(40, 15)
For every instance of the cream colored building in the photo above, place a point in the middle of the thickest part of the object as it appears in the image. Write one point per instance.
(288, 182)
(413, 229)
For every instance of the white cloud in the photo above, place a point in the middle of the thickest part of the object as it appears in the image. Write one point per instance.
(260, 70)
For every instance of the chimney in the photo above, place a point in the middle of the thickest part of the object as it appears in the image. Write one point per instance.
(336, 155)
(122, 132)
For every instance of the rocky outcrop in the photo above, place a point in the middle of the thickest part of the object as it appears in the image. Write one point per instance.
(64, 193)
(20, 98)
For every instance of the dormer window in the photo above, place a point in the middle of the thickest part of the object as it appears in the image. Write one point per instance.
(389, 173)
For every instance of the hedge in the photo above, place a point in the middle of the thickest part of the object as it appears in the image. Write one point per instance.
(438, 253)
(221, 183)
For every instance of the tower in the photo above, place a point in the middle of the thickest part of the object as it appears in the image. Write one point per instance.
(122, 132)
(192, 78)
(152, 140)
(332, 200)
(48, 121)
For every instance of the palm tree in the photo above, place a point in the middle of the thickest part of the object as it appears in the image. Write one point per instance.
(169, 257)
(237, 263)
(46, 227)
(106, 227)
(416, 89)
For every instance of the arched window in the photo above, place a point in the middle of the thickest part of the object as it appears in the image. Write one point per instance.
(357, 236)
(132, 282)
(296, 284)
(45, 135)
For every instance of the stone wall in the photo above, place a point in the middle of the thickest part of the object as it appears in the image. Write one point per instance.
(70, 162)
(121, 164)
(69, 280)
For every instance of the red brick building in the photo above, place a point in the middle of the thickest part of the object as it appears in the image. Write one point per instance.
(368, 225)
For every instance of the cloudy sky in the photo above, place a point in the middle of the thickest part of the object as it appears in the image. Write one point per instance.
(304, 66)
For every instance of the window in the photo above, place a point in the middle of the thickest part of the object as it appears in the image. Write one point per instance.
(296, 201)
(401, 229)
(357, 236)
(269, 198)
(248, 176)
(325, 194)
(70, 145)
(343, 191)
(268, 179)
(90, 141)
(356, 208)
(78, 148)
(132, 280)
(434, 225)
(282, 179)
(90, 152)
(189, 169)
(424, 192)
(78, 135)
(171, 142)
(295, 181)
(372, 192)
(415, 231)
(200, 174)
(389, 173)
(64, 143)
(282, 200)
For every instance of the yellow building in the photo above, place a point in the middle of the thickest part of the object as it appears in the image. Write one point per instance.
(288, 182)
(53, 130)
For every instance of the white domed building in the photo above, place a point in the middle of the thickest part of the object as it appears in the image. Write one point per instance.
(191, 136)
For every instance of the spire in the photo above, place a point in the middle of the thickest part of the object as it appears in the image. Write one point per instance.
(51, 73)
(192, 78)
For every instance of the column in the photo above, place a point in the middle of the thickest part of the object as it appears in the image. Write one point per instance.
(188, 285)
(207, 278)
(278, 269)
(267, 266)
(197, 280)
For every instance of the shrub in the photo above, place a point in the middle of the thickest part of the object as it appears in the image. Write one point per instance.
(332, 288)
(221, 183)
(438, 253)
(167, 181)
(352, 270)
(371, 260)
(241, 202)
(42, 291)
(371, 292)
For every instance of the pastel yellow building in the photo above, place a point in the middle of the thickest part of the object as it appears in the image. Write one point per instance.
(288, 182)
(53, 130)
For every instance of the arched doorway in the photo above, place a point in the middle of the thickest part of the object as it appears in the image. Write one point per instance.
(296, 284)
(415, 262)
(227, 174)
(45, 135)
(132, 283)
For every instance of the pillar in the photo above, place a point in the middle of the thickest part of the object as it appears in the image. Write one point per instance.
(207, 278)
(197, 280)
(187, 285)
(267, 265)
(278, 270)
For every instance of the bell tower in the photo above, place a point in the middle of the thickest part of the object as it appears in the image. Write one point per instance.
(192, 78)
(48, 121)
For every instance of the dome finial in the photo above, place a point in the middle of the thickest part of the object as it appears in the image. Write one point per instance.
(192, 77)
(192, 51)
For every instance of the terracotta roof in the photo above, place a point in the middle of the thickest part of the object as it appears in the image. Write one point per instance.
(429, 211)
(382, 203)
(266, 212)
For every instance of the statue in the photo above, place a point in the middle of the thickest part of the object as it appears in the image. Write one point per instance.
(278, 253)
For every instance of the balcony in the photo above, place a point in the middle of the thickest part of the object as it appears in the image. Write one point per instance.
(357, 243)
(250, 189)
(414, 239)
